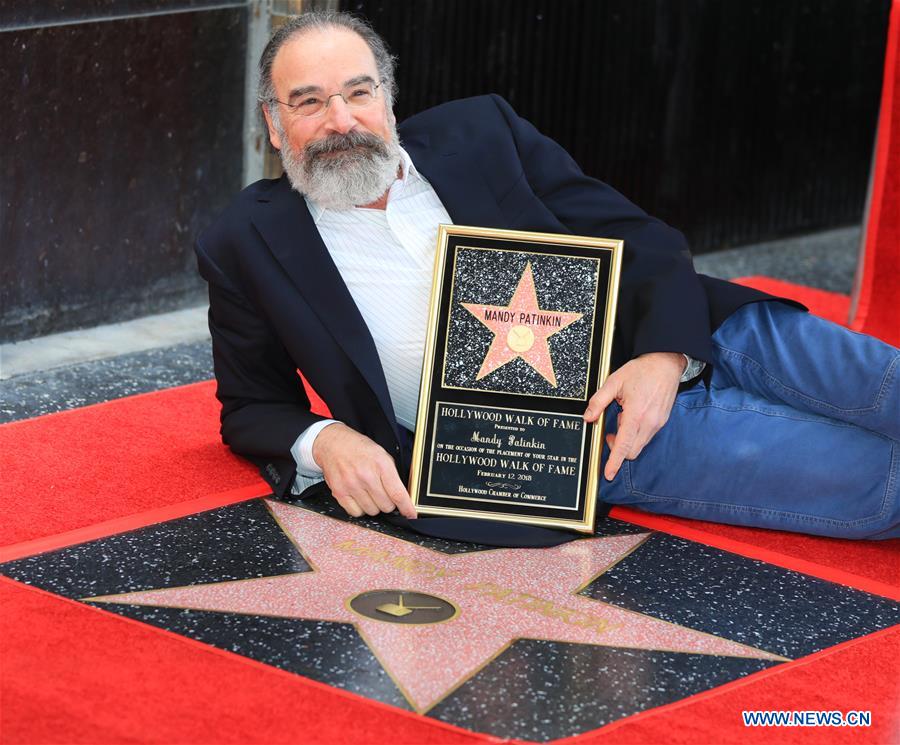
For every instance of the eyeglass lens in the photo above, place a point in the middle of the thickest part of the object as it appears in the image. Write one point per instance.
(357, 96)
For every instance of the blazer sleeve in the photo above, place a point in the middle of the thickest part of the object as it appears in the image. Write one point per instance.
(662, 305)
(264, 405)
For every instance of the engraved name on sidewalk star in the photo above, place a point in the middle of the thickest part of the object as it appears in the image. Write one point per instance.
(434, 620)
(521, 329)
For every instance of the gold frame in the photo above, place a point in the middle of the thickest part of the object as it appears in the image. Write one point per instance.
(615, 246)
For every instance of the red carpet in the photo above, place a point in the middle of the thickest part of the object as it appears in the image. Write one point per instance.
(832, 306)
(877, 310)
(80, 467)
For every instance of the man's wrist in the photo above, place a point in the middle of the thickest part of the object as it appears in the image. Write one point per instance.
(302, 449)
(687, 365)
(316, 446)
(676, 358)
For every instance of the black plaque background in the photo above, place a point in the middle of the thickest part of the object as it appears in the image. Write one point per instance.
(509, 400)
(541, 482)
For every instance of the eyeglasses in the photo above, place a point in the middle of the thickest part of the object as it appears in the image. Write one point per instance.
(356, 96)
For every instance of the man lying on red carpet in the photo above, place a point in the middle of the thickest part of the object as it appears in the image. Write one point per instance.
(725, 404)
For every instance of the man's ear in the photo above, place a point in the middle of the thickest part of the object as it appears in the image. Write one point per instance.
(273, 133)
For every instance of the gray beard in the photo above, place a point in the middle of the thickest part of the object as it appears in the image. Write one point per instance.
(340, 172)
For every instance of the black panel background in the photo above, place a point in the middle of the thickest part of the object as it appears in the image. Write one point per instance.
(119, 141)
(734, 121)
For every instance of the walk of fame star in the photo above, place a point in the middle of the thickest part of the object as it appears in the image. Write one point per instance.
(433, 620)
(521, 329)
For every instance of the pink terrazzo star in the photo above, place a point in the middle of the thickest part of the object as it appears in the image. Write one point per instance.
(501, 595)
(521, 329)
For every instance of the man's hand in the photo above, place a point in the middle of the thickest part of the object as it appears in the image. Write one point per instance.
(645, 388)
(360, 473)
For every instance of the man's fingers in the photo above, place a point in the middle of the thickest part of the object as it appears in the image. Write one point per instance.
(354, 490)
(637, 437)
(382, 500)
(387, 491)
(361, 475)
(374, 489)
(349, 504)
(394, 488)
(646, 388)
(601, 399)
(613, 463)
(629, 442)
(365, 500)
(621, 447)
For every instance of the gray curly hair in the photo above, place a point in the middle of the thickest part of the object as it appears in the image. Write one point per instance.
(296, 25)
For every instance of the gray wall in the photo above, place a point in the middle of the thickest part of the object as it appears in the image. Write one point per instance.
(120, 138)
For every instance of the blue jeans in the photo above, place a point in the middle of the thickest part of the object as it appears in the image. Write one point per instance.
(799, 430)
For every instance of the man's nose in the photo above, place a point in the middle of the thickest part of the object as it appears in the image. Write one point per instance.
(339, 117)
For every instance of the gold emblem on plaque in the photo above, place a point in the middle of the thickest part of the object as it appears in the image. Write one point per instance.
(520, 339)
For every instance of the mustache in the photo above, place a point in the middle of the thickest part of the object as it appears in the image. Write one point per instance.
(338, 143)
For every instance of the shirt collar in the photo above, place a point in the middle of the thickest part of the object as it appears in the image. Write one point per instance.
(408, 173)
(407, 167)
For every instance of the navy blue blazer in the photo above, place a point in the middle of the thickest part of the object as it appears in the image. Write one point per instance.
(278, 303)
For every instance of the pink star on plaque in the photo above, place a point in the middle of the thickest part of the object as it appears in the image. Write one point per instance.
(521, 329)
(433, 620)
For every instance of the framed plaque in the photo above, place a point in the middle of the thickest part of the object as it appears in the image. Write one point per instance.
(519, 338)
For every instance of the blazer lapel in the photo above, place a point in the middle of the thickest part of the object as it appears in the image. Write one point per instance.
(461, 188)
(284, 222)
